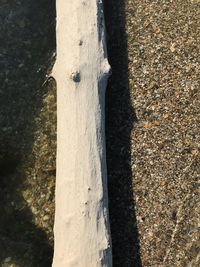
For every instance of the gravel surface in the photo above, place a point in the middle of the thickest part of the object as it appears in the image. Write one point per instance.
(153, 137)
(164, 78)
(152, 128)
(28, 132)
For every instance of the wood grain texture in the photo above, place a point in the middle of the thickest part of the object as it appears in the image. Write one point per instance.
(82, 234)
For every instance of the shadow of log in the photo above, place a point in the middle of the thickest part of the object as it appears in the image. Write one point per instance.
(120, 119)
(27, 44)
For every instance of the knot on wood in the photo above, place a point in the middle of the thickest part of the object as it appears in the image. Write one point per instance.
(76, 76)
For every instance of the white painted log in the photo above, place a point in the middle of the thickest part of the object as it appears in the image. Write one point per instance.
(81, 229)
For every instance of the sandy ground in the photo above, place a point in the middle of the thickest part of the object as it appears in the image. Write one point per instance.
(152, 111)
(153, 132)
(28, 132)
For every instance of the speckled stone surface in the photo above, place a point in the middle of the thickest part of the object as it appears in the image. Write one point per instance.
(152, 129)
(27, 132)
(164, 78)
(153, 125)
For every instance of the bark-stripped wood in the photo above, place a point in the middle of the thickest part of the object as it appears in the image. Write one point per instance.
(82, 236)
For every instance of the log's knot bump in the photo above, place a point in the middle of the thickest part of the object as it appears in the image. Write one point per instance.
(106, 68)
(76, 76)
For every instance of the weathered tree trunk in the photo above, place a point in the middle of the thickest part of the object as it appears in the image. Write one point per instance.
(82, 236)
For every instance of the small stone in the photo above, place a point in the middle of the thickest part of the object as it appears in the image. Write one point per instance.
(7, 259)
(22, 24)
(48, 195)
(46, 218)
(7, 129)
(148, 125)
(172, 47)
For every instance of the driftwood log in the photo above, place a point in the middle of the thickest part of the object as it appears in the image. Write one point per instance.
(81, 230)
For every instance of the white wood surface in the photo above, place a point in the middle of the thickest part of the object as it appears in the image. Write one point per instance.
(81, 230)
